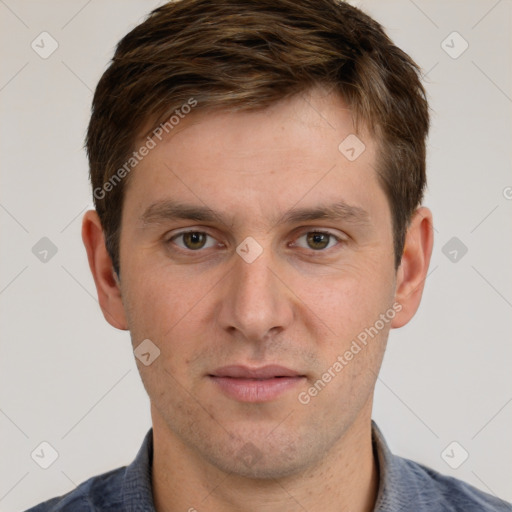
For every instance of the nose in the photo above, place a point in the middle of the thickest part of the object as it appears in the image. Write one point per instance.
(256, 304)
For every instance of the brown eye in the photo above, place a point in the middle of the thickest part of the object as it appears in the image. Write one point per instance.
(317, 240)
(194, 240)
(320, 241)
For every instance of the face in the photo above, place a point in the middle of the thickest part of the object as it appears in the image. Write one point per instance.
(253, 254)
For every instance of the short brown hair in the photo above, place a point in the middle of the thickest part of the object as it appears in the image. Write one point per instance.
(246, 55)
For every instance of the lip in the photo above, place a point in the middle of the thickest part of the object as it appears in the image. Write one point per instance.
(264, 384)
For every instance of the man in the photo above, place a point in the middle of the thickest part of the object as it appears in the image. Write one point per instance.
(258, 168)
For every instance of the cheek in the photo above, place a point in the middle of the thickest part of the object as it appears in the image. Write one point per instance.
(161, 295)
(352, 351)
(171, 309)
(349, 302)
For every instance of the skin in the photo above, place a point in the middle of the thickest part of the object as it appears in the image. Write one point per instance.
(296, 306)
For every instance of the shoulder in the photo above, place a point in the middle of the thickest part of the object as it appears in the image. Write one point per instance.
(125, 488)
(447, 494)
(408, 485)
(99, 493)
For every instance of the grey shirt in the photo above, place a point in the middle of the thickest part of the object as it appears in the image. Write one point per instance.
(404, 485)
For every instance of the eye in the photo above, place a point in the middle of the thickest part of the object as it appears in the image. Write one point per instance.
(317, 240)
(193, 240)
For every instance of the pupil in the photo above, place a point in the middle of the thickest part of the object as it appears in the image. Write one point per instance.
(318, 240)
(194, 240)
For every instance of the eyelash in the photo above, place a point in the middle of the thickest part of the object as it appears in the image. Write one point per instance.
(321, 232)
(338, 239)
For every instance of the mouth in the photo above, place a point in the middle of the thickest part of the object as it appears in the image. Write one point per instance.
(264, 384)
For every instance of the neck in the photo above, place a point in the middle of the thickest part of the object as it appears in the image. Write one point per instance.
(344, 479)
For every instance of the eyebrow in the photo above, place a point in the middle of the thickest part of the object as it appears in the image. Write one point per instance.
(339, 211)
(167, 210)
(162, 211)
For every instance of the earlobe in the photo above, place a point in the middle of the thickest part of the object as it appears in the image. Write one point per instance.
(105, 279)
(412, 272)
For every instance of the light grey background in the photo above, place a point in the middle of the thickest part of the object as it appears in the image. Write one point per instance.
(69, 379)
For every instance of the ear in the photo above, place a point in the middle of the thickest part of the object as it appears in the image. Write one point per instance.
(412, 272)
(100, 263)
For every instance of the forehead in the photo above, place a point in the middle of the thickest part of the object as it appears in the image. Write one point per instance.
(301, 150)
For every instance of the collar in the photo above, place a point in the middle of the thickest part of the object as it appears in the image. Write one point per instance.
(398, 482)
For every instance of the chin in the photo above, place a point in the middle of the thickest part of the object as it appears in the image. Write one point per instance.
(260, 456)
(267, 466)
